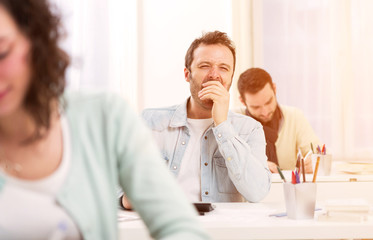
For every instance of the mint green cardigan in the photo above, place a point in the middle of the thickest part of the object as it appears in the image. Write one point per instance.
(110, 147)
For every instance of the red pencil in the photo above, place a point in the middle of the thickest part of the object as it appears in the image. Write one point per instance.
(323, 149)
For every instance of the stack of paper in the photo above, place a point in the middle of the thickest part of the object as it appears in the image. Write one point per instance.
(355, 167)
(125, 216)
(346, 210)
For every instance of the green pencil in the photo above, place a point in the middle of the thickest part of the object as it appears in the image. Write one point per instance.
(280, 172)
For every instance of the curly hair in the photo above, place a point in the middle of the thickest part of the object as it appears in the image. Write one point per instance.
(48, 61)
(210, 38)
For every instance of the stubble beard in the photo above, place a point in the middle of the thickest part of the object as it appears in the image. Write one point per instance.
(194, 89)
(259, 118)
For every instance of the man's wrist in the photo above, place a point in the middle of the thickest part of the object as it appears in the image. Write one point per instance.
(217, 123)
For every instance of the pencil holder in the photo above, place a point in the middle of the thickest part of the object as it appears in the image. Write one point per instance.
(325, 165)
(300, 200)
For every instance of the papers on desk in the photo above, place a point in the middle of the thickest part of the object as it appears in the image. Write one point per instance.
(356, 168)
(125, 216)
(346, 210)
(240, 213)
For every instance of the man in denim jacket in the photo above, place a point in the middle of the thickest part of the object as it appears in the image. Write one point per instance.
(216, 155)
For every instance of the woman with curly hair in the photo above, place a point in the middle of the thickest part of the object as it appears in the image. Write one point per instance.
(62, 155)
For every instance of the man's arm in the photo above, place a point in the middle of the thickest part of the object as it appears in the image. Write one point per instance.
(245, 159)
(272, 167)
(305, 134)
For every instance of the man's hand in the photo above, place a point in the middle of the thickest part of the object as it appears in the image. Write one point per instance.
(216, 92)
(126, 203)
(272, 166)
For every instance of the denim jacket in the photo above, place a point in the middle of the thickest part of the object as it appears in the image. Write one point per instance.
(233, 154)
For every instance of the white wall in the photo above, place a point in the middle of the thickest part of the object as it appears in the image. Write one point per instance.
(167, 28)
(137, 48)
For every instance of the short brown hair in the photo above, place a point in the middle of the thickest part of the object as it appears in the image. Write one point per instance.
(210, 38)
(48, 61)
(253, 80)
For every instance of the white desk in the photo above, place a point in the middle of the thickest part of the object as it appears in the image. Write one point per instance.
(251, 221)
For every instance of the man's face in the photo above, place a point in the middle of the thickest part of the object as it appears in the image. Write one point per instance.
(262, 104)
(210, 63)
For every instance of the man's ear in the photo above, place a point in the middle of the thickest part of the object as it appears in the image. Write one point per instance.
(242, 101)
(186, 74)
(274, 87)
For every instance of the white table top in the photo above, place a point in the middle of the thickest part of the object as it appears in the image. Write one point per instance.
(332, 178)
(335, 176)
(251, 221)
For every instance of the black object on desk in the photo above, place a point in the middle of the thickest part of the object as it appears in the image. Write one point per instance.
(202, 208)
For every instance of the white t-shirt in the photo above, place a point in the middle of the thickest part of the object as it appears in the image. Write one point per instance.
(189, 176)
(28, 208)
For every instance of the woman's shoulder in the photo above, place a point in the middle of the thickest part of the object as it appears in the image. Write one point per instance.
(83, 101)
(88, 98)
(88, 106)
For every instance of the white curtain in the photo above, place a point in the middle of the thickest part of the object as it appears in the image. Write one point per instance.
(137, 47)
(247, 34)
(320, 54)
(102, 41)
